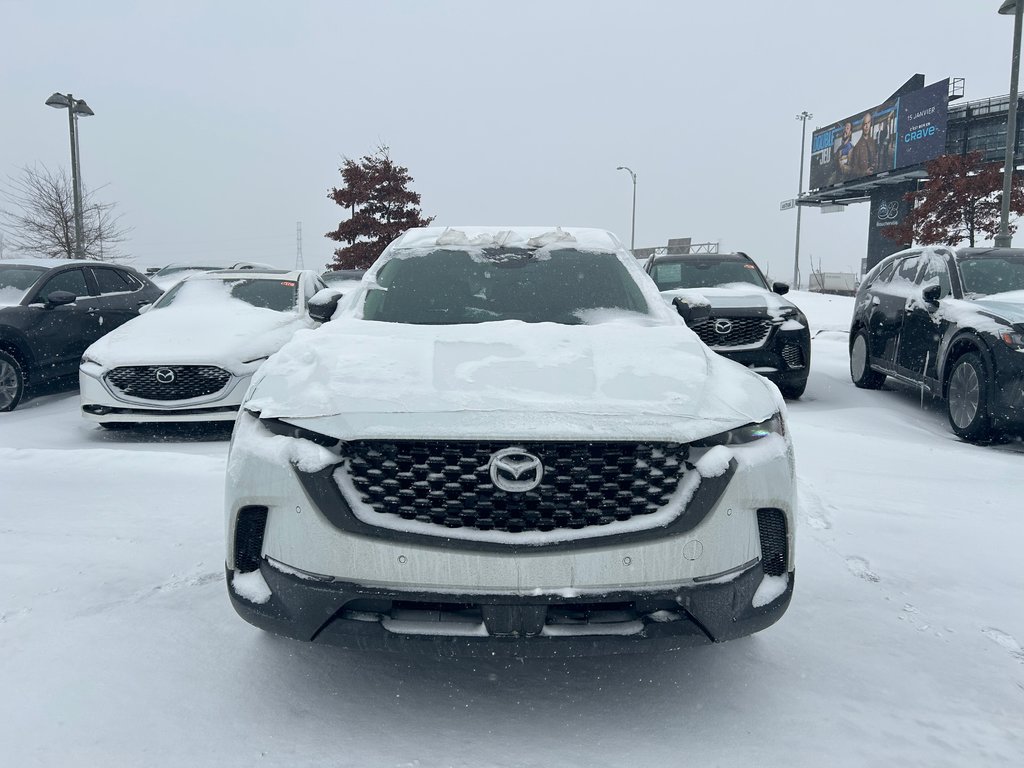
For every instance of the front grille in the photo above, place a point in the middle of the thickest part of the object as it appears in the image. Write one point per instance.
(168, 382)
(793, 355)
(448, 483)
(734, 331)
(771, 525)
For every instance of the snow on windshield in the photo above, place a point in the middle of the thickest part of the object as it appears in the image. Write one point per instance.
(704, 273)
(266, 293)
(15, 280)
(9, 295)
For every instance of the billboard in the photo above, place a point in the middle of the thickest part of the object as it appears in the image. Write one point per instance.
(903, 131)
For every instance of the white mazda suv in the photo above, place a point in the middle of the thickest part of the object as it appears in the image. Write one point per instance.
(505, 441)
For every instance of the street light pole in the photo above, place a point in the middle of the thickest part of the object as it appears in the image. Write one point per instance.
(75, 107)
(632, 228)
(803, 117)
(1004, 239)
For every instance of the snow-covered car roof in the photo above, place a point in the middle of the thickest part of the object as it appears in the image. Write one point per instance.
(51, 263)
(520, 236)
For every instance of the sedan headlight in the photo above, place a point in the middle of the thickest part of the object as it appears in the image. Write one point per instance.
(88, 359)
(746, 434)
(1013, 339)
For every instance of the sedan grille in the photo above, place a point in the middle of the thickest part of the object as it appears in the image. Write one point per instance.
(168, 382)
(449, 483)
(734, 331)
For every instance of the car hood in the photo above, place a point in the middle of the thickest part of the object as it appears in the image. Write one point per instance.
(732, 296)
(509, 379)
(1009, 305)
(227, 336)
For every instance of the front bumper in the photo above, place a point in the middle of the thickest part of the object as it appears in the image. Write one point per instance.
(100, 404)
(785, 357)
(352, 616)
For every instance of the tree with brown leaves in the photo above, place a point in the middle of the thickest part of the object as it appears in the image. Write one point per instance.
(960, 202)
(381, 206)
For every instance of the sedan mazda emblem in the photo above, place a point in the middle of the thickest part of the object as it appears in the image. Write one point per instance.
(164, 375)
(516, 471)
(723, 327)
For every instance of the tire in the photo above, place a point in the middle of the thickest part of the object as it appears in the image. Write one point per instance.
(968, 397)
(793, 390)
(860, 364)
(12, 382)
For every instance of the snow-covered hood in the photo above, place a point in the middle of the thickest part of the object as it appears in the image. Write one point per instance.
(1009, 306)
(620, 380)
(227, 335)
(733, 296)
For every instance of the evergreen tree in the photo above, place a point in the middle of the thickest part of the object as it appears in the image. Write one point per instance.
(961, 201)
(381, 206)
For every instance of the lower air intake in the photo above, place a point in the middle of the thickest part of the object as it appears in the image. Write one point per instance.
(252, 522)
(771, 524)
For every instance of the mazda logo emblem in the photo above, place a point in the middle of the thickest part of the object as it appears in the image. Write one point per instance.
(164, 375)
(723, 327)
(516, 471)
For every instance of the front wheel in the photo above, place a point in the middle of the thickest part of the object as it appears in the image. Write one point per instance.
(793, 390)
(860, 364)
(967, 399)
(12, 382)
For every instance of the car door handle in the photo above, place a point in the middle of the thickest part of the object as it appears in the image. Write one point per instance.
(874, 301)
(92, 310)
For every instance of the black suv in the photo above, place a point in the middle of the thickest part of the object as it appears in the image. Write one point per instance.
(749, 322)
(51, 310)
(950, 321)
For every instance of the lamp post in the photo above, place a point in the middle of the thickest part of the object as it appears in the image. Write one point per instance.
(632, 228)
(75, 107)
(803, 117)
(1003, 239)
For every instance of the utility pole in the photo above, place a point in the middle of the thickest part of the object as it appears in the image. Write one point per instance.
(1004, 239)
(803, 117)
(632, 226)
(298, 246)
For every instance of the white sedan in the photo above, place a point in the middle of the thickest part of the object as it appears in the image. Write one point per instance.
(190, 357)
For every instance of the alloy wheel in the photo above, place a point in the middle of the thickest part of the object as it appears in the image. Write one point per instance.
(964, 395)
(9, 384)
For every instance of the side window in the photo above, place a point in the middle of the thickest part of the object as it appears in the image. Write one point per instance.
(907, 269)
(110, 281)
(885, 274)
(936, 272)
(134, 282)
(72, 281)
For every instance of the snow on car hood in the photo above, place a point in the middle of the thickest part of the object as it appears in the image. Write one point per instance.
(226, 334)
(732, 296)
(1009, 305)
(624, 380)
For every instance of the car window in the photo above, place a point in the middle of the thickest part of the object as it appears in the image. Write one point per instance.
(907, 268)
(110, 281)
(71, 280)
(266, 293)
(986, 275)
(15, 280)
(704, 273)
(936, 272)
(446, 287)
(886, 273)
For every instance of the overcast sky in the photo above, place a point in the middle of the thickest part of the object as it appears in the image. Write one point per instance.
(218, 126)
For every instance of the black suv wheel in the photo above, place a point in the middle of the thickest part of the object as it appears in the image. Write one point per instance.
(860, 364)
(12, 382)
(967, 398)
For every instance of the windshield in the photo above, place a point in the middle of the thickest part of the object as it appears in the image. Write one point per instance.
(446, 287)
(267, 293)
(15, 279)
(992, 274)
(705, 273)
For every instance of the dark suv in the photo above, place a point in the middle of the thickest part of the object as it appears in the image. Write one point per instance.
(51, 310)
(749, 322)
(950, 321)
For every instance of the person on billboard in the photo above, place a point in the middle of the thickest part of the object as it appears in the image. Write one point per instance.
(864, 156)
(842, 154)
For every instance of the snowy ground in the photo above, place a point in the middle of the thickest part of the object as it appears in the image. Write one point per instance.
(902, 645)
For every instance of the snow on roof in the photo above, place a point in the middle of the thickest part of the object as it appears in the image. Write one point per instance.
(49, 263)
(268, 274)
(513, 236)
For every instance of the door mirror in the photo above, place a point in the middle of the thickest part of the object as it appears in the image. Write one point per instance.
(692, 314)
(323, 304)
(60, 299)
(931, 294)
(780, 288)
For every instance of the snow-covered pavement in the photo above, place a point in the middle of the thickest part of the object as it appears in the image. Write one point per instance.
(902, 645)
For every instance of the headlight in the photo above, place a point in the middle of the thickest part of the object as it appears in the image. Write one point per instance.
(87, 359)
(1012, 339)
(283, 428)
(746, 434)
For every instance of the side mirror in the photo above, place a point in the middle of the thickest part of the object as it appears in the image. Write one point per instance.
(692, 314)
(931, 294)
(780, 288)
(60, 299)
(323, 304)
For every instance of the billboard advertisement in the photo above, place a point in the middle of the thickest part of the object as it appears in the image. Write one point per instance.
(903, 131)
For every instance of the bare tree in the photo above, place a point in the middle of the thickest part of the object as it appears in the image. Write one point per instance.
(38, 217)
